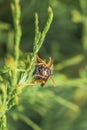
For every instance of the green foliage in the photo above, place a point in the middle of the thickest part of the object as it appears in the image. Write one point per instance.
(18, 69)
(47, 108)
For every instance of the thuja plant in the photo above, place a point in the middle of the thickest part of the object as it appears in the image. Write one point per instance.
(17, 71)
(81, 17)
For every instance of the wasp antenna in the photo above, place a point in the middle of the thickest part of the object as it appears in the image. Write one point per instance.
(40, 60)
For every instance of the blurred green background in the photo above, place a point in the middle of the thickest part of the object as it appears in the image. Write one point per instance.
(49, 108)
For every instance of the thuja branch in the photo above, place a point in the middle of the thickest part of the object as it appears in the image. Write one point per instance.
(18, 69)
(15, 6)
(16, 11)
(9, 75)
(40, 36)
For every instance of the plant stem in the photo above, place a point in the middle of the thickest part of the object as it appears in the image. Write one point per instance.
(16, 11)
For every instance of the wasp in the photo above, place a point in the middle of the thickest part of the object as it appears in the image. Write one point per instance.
(44, 71)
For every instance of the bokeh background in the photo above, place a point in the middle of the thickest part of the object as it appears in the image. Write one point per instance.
(47, 108)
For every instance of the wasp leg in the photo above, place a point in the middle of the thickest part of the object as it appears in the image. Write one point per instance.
(54, 84)
(38, 75)
(40, 81)
(26, 84)
(50, 62)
